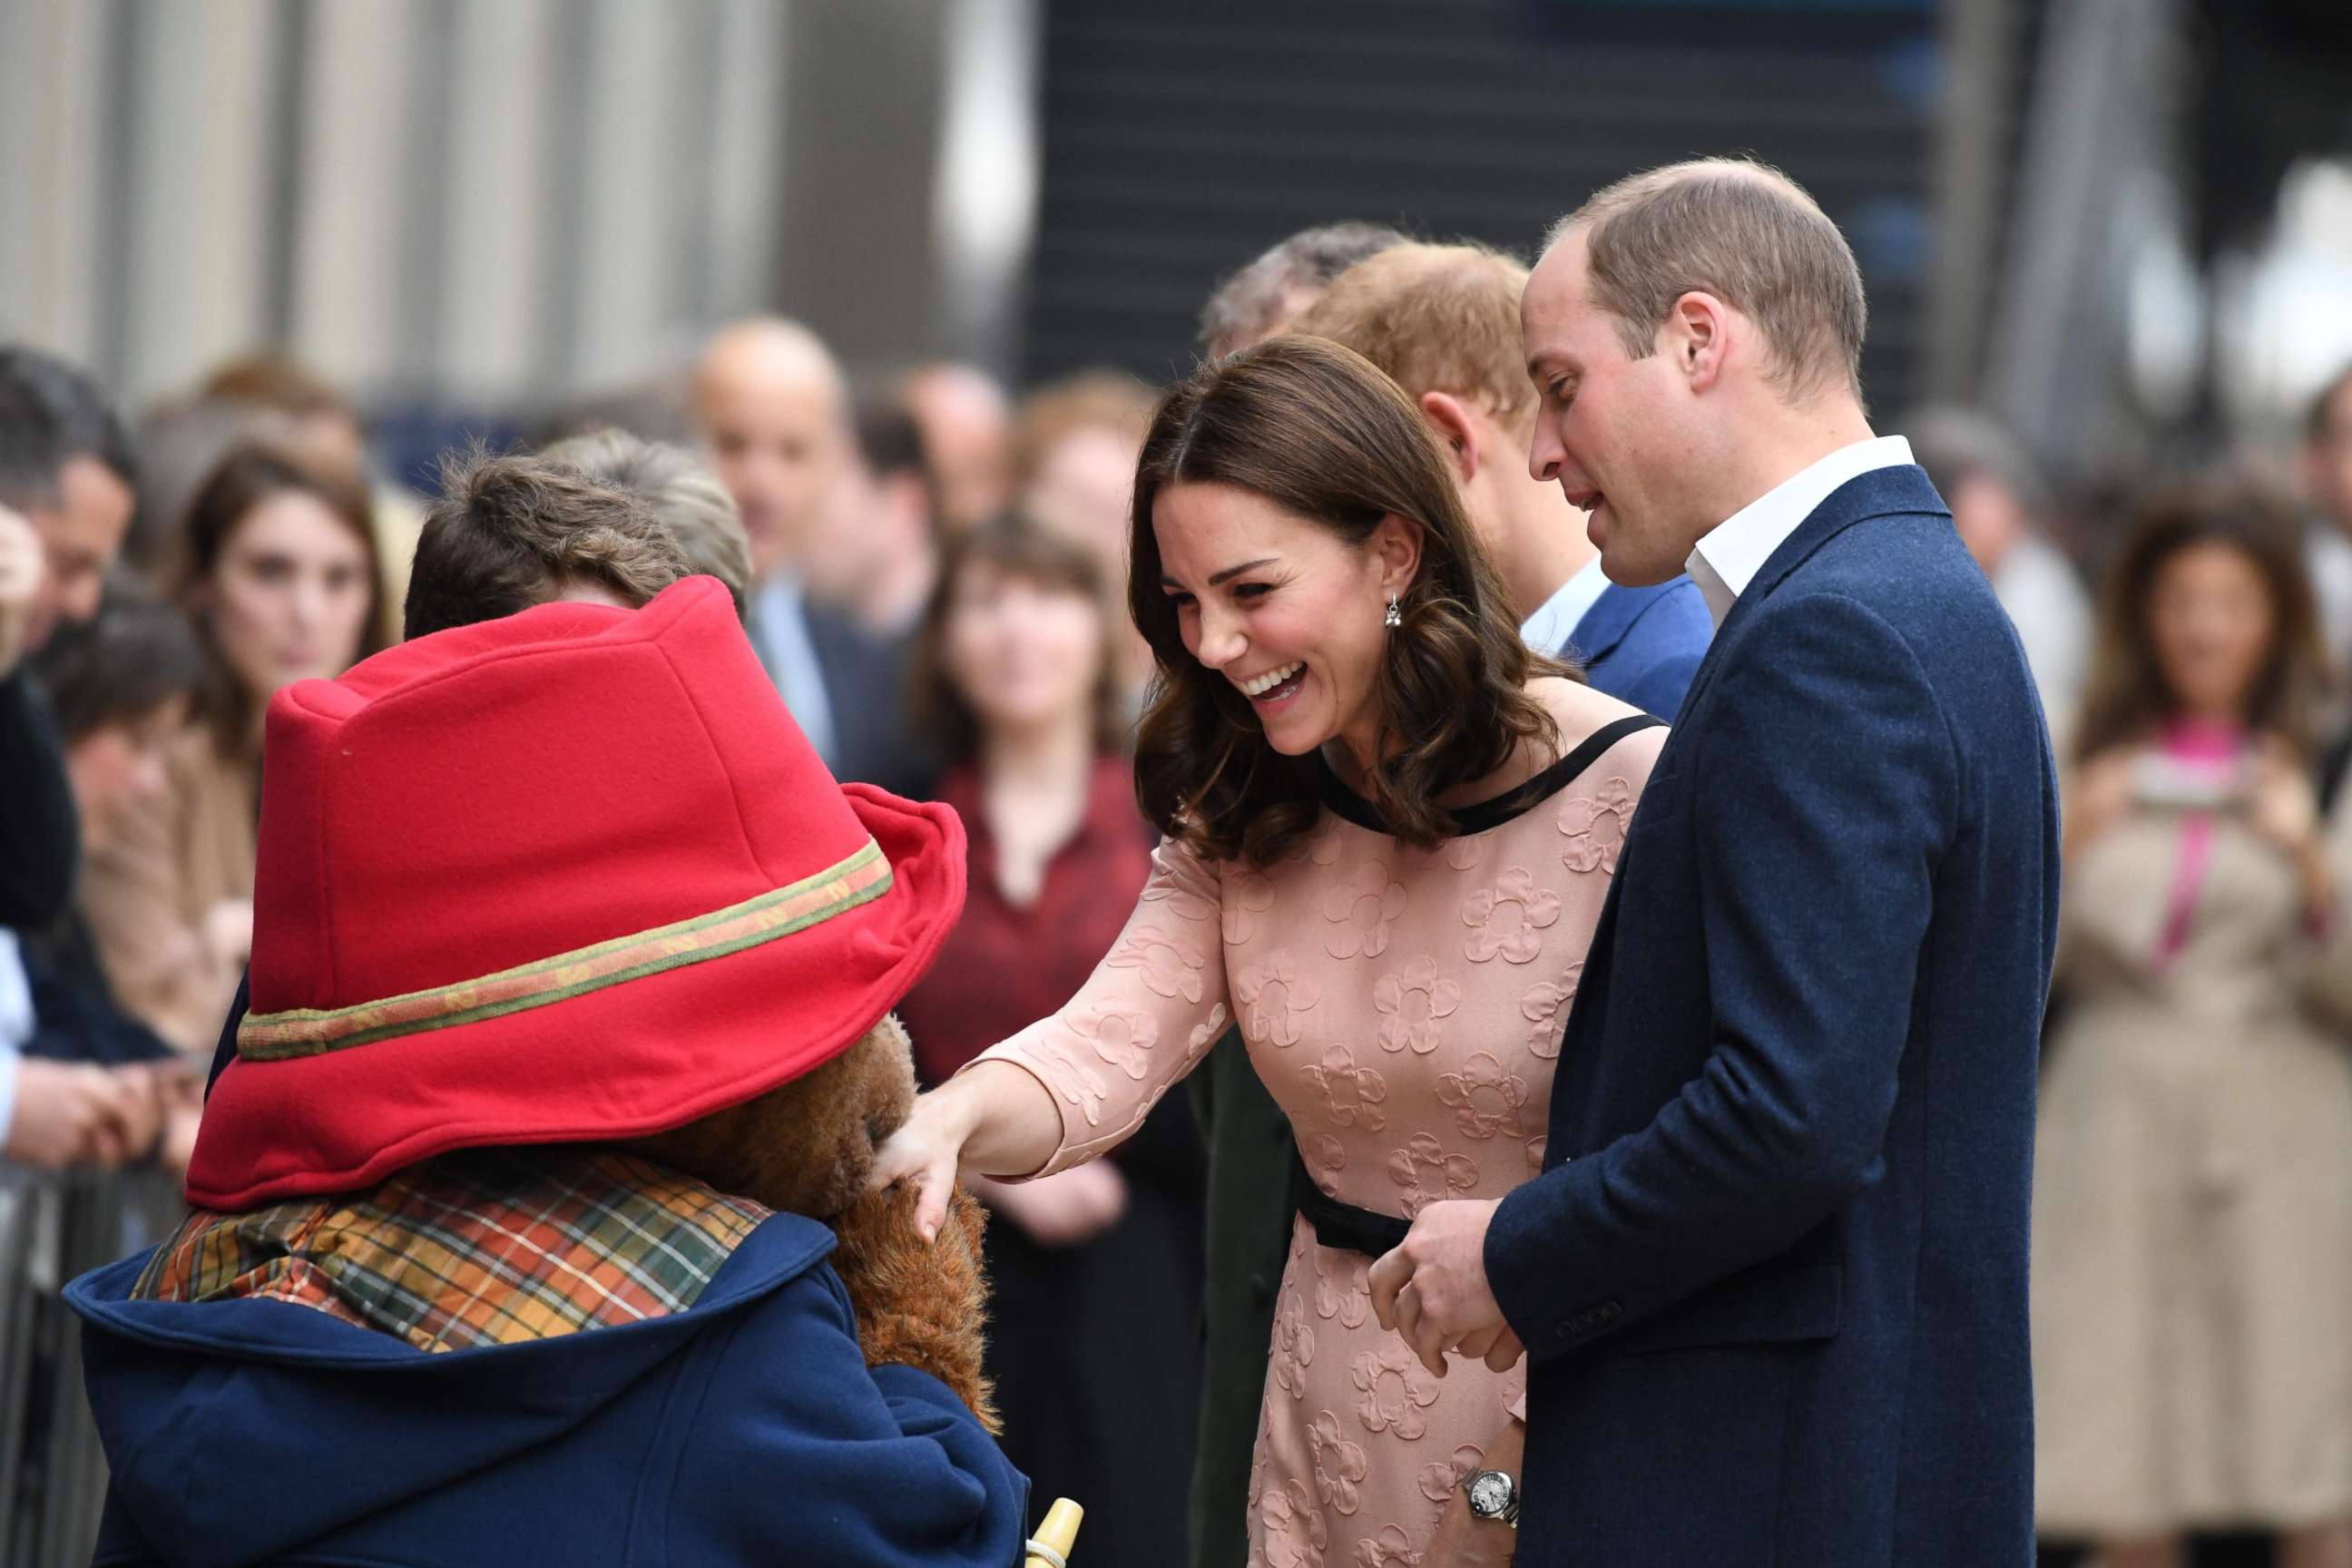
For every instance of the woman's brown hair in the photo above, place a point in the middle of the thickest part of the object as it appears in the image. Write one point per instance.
(248, 475)
(1317, 430)
(2126, 695)
(1013, 547)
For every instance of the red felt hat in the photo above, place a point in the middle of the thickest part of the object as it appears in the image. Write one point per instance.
(571, 874)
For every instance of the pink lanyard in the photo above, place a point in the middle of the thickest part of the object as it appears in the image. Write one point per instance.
(2203, 744)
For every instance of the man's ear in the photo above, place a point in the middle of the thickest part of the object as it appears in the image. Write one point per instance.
(1698, 334)
(1395, 544)
(1459, 436)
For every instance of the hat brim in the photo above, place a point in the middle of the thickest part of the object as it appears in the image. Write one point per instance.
(641, 1056)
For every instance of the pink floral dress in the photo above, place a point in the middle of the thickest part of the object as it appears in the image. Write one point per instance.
(1405, 1007)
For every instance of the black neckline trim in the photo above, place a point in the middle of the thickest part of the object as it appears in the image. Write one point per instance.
(1487, 814)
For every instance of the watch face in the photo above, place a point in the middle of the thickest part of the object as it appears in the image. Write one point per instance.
(1490, 1494)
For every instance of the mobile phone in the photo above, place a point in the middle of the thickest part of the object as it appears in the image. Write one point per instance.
(2179, 784)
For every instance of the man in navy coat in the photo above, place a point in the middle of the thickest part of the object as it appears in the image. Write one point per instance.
(1772, 1281)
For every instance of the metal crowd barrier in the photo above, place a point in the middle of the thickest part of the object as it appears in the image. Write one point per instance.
(53, 1227)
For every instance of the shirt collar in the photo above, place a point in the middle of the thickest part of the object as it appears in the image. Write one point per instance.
(1728, 559)
(1552, 626)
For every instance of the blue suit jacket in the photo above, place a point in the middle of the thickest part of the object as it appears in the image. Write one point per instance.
(1642, 646)
(744, 1431)
(1772, 1279)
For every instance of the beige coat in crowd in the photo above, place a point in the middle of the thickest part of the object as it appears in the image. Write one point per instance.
(2192, 1245)
(169, 896)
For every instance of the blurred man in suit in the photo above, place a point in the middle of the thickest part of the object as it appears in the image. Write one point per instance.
(773, 410)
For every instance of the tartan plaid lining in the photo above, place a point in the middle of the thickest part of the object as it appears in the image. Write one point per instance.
(484, 1247)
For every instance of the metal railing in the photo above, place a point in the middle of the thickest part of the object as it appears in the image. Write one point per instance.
(52, 1470)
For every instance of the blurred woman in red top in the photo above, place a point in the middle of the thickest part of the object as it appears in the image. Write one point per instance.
(1016, 680)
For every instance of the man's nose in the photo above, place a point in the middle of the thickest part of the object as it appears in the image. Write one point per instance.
(1544, 455)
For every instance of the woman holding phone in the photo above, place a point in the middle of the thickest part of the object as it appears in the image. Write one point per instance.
(2193, 1225)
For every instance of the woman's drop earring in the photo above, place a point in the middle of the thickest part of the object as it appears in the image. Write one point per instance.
(1395, 617)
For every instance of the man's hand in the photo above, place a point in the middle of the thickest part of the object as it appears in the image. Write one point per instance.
(21, 565)
(70, 1113)
(1433, 1290)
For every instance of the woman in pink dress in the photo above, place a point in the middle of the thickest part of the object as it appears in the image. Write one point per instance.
(1389, 829)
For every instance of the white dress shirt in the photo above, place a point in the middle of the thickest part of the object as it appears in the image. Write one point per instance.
(1728, 559)
(1555, 621)
(780, 622)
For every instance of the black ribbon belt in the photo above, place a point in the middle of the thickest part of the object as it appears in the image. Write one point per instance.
(1343, 1226)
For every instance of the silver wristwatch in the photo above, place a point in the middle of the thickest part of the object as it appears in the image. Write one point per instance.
(1494, 1495)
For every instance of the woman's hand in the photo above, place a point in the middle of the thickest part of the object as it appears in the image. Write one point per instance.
(2284, 807)
(992, 1119)
(228, 931)
(1069, 1208)
(1462, 1536)
(2096, 797)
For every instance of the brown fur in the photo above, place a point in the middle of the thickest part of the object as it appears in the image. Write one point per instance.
(917, 1303)
(808, 1148)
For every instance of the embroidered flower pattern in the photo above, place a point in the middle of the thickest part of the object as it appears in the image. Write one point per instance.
(1545, 1009)
(1426, 1172)
(1351, 1094)
(1295, 1536)
(1204, 1033)
(1396, 1388)
(1170, 965)
(1362, 907)
(1390, 1549)
(1412, 1004)
(1484, 1099)
(1294, 1346)
(1343, 1287)
(1441, 1480)
(1248, 895)
(1595, 827)
(1408, 1087)
(1339, 1465)
(1081, 1086)
(1181, 902)
(1123, 1036)
(1274, 994)
(1461, 854)
(1504, 921)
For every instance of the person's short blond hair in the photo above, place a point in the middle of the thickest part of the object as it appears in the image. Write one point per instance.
(1085, 399)
(1436, 317)
(682, 491)
(1743, 232)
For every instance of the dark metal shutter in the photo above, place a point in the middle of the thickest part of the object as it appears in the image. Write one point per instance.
(1182, 139)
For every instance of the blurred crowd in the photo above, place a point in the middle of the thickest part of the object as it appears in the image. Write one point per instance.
(933, 570)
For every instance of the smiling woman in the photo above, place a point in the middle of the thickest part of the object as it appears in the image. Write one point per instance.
(1304, 574)
(1390, 832)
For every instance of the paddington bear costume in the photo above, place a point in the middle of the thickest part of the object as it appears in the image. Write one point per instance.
(533, 897)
